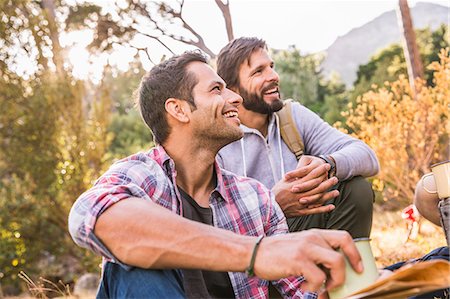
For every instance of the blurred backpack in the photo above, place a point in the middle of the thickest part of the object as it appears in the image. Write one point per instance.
(289, 131)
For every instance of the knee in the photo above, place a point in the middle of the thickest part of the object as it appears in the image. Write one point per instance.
(359, 192)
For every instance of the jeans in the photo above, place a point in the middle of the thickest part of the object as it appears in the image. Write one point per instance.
(139, 283)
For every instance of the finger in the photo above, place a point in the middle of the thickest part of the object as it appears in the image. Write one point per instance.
(306, 185)
(317, 171)
(343, 240)
(321, 188)
(330, 195)
(335, 265)
(314, 277)
(333, 262)
(317, 199)
(297, 173)
(311, 200)
(304, 160)
(310, 164)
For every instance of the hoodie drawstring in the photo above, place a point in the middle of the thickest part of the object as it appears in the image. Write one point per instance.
(280, 152)
(244, 164)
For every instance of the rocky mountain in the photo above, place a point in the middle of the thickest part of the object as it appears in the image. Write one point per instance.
(357, 46)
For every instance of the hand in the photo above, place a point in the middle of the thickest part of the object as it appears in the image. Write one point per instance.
(303, 191)
(311, 161)
(309, 253)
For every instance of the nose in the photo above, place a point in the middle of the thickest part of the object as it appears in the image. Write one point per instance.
(273, 75)
(232, 97)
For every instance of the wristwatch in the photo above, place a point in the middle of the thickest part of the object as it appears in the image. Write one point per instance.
(329, 160)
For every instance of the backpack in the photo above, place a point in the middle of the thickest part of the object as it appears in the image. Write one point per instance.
(289, 131)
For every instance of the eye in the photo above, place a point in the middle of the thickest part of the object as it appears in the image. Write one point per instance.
(216, 88)
(257, 71)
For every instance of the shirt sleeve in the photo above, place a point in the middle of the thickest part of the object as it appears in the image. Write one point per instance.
(353, 157)
(289, 287)
(123, 180)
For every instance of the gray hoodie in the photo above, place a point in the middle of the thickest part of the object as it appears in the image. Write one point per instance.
(268, 159)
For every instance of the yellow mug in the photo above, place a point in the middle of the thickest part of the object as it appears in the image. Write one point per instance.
(441, 175)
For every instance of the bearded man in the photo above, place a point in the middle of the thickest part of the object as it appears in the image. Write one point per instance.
(325, 188)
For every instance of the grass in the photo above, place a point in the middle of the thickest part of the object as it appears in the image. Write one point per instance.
(389, 237)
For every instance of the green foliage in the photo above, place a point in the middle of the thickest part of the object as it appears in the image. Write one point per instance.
(130, 134)
(300, 79)
(389, 63)
(53, 144)
(335, 97)
(50, 153)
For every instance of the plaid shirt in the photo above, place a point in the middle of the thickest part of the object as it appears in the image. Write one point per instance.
(241, 205)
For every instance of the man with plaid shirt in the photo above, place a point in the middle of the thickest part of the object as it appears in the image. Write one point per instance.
(131, 216)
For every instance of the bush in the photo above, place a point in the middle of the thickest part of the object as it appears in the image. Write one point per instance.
(408, 131)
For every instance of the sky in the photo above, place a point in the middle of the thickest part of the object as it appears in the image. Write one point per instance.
(310, 25)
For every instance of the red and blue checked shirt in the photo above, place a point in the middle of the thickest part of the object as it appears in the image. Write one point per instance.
(238, 204)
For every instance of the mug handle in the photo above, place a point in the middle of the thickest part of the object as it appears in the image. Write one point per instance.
(423, 185)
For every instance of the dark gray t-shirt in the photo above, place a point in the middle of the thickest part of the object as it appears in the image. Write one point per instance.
(202, 283)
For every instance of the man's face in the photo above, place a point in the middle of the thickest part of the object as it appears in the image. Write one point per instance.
(215, 118)
(259, 84)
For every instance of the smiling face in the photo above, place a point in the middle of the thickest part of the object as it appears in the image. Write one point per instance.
(215, 116)
(258, 83)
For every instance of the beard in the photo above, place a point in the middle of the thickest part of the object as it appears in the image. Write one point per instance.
(255, 102)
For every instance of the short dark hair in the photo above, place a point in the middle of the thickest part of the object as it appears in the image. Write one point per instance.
(233, 55)
(168, 79)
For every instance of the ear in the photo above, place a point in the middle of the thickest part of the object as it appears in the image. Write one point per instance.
(177, 109)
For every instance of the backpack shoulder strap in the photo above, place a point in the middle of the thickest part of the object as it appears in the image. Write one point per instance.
(289, 131)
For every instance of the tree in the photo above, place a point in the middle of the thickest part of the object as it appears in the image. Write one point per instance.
(413, 61)
(50, 150)
(153, 21)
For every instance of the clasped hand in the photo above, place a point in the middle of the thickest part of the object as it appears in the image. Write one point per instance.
(305, 190)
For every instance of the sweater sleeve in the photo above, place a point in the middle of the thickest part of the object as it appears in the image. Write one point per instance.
(353, 157)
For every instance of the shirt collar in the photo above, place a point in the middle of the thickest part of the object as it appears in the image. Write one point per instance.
(168, 165)
(221, 181)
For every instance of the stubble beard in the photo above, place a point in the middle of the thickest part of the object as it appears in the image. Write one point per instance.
(215, 136)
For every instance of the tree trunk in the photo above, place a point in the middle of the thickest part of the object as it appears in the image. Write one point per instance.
(48, 6)
(412, 55)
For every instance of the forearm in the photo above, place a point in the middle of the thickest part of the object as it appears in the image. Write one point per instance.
(355, 159)
(426, 203)
(352, 156)
(141, 233)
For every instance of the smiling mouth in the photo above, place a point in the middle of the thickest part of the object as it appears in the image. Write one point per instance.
(271, 91)
(230, 114)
